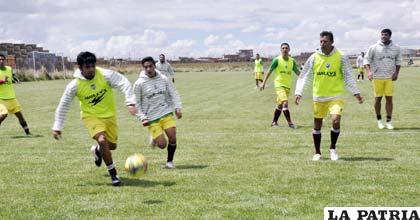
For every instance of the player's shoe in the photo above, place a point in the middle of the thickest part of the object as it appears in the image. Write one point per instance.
(380, 124)
(389, 126)
(316, 157)
(274, 124)
(115, 180)
(333, 154)
(96, 155)
(170, 165)
(292, 126)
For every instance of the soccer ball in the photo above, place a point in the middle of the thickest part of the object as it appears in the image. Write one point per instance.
(136, 165)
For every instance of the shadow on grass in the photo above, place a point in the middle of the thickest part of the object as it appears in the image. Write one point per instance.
(366, 159)
(152, 202)
(186, 167)
(27, 136)
(407, 128)
(145, 183)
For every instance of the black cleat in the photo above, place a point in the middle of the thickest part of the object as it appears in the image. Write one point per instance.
(115, 180)
(96, 155)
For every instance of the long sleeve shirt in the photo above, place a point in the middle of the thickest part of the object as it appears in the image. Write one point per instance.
(383, 59)
(114, 79)
(307, 76)
(155, 96)
(166, 69)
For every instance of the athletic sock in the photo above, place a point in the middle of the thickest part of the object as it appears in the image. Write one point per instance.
(316, 134)
(277, 113)
(388, 118)
(25, 127)
(334, 136)
(378, 117)
(287, 115)
(111, 169)
(171, 152)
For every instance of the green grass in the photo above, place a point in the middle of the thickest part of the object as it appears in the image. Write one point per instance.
(230, 163)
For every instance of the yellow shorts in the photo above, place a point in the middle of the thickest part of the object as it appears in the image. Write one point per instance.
(157, 128)
(361, 70)
(259, 75)
(383, 87)
(107, 125)
(334, 107)
(282, 94)
(9, 106)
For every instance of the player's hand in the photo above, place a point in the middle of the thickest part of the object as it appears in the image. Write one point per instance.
(132, 109)
(145, 122)
(178, 113)
(56, 134)
(394, 76)
(297, 99)
(370, 75)
(359, 98)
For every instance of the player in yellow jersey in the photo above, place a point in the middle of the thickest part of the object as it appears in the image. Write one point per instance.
(93, 87)
(283, 66)
(331, 73)
(258, 70)
(8, 101)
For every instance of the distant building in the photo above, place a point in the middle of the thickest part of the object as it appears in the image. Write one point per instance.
(242, 55)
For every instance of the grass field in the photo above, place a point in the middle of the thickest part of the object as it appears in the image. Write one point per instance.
(230, 164)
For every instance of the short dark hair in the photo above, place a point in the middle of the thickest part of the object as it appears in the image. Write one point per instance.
(162, 54)
(327, 33)
(387, 30)
(282, 44)
(86, 57)
(148, 59)
(2, 55)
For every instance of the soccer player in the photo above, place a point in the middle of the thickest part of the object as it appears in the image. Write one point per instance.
(382, 63)
(331, 72)
(157, 99)
(93, 87)
(360, 67)
(165, 68)
(8, 101)
(258, 70)
(283, 66)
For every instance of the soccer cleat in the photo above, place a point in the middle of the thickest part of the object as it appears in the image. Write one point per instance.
(170, 165)
(115, 180)
(292, 126)
(389, 126)
(316, 157)
(333, 154)
(96, 155)
(380, 125)
(274, 124)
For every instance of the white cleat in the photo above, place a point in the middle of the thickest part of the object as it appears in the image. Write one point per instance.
(380, 124)
(333, 154)
(389, 126)
(170, 165)
(316, 157)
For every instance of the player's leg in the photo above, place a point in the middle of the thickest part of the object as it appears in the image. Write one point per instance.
(22, 122)
(171, 133)
(3, 112)
(389, 90)
(316, 135)
(378, 86)
(335, 109)
(106, 154)
(277, 113)
(2, 117)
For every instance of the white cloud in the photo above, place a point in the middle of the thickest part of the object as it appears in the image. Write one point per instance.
(251, 28)
(211, 40)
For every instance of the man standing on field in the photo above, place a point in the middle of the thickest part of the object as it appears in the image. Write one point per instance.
(258, 70)
(382, 63)
(331, 73)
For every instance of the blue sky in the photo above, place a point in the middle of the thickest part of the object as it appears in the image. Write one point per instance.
(204, 28)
